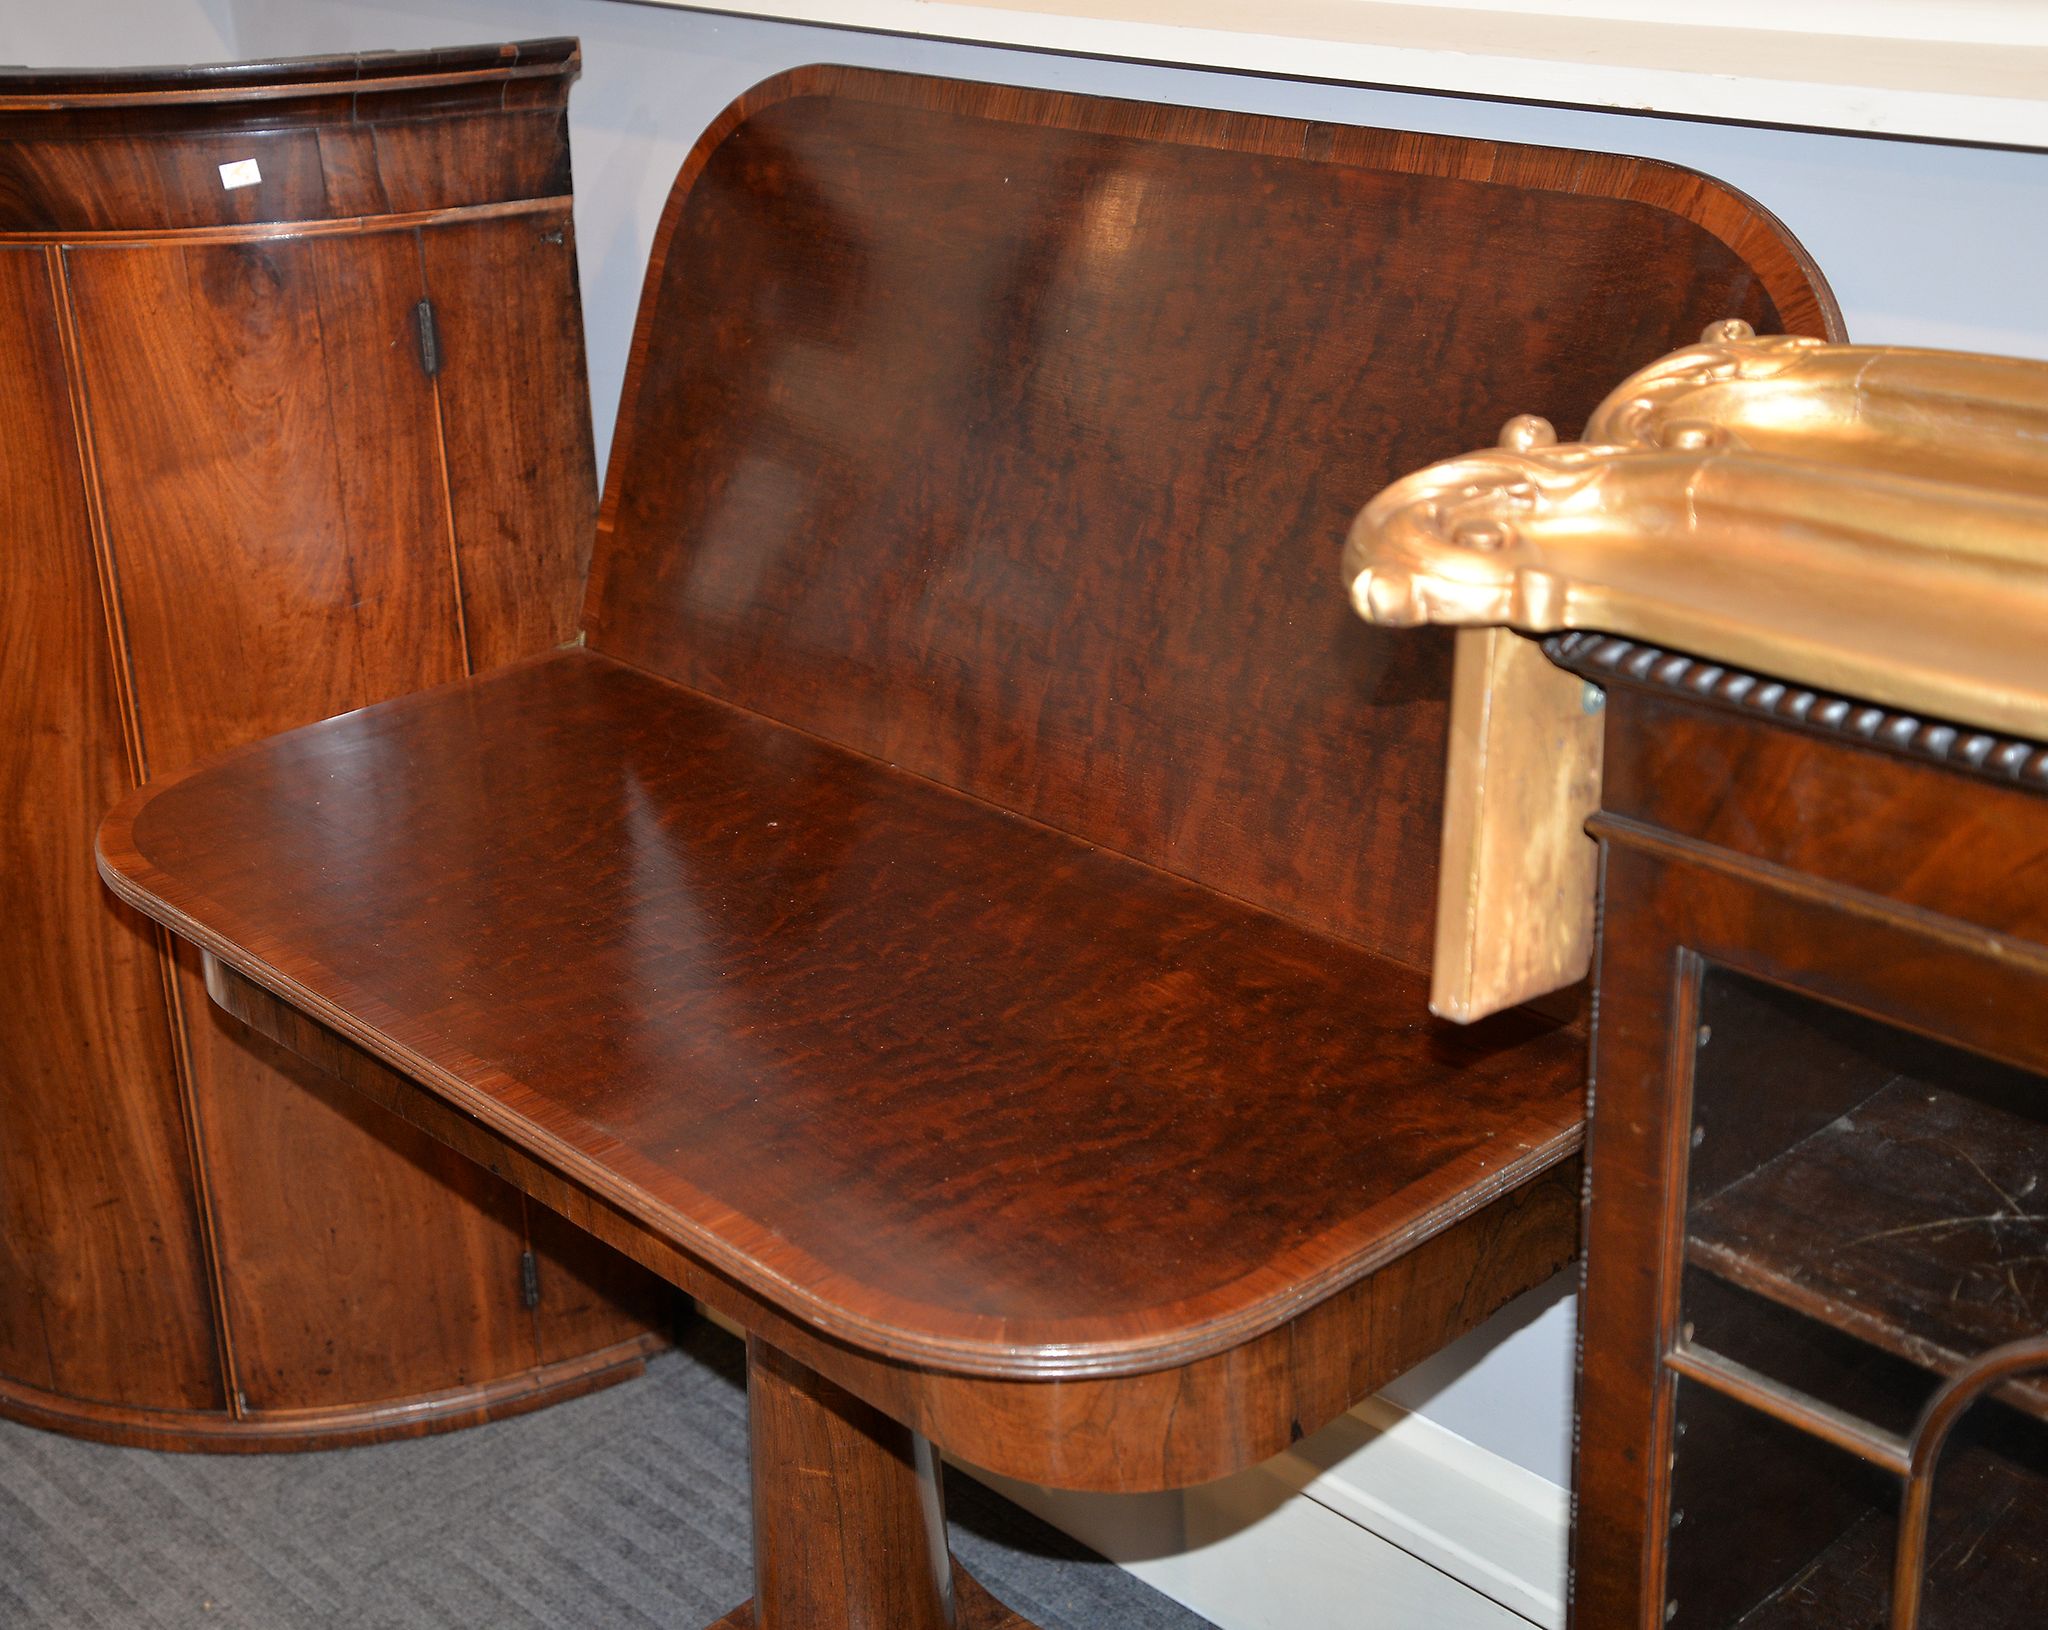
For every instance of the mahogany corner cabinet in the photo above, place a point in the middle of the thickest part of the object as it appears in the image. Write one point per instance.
(295, 420)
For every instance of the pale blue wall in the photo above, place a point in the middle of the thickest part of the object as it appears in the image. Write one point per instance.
(89, 33)
(1925, 244)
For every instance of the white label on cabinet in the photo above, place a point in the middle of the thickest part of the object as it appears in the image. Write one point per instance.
(241, 173)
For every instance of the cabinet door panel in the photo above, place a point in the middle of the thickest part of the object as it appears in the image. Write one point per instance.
(102, 1277)
(270, 463)
(270, 457)
(591, 1297)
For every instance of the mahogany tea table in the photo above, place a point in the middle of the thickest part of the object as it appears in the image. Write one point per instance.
(964, 914)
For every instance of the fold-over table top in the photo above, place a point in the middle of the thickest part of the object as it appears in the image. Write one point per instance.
(937, 1077)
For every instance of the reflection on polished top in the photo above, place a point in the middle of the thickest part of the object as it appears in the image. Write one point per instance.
(1869, 519)
(958, 1083)
(1012, 450)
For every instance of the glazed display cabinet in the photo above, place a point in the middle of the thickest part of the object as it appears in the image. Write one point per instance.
(1815, 1368)
(1803, 587)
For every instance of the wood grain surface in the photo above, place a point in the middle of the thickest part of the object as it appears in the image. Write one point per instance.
(137, 151)
(262, 426)
(825, 1463)
(522, 484)
(1159, 1429)
(102, 1270)
(1910, 1224)
(242, 500)
(1863, 818)
(921, 1061)
(1004, 436)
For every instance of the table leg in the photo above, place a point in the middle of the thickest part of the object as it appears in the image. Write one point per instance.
(849, 1531)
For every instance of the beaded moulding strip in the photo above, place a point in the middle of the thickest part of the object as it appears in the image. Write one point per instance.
(1600, 657)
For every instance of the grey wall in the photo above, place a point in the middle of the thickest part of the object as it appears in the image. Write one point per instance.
(1925, 244)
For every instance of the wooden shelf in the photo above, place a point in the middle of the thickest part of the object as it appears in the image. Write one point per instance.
(1987, 1550)
(1918, 1222)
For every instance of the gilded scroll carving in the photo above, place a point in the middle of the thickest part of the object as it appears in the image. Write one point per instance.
(1870, 521)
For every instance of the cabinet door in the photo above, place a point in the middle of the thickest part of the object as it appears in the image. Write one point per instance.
(268, 448)
(103, 1291)
(270, 462)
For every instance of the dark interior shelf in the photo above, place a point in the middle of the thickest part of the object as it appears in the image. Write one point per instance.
(1917, 1222)
(1987, 1556)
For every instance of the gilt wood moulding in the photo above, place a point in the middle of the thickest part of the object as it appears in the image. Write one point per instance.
(962, 913)
(292, 393)
(1794, 508)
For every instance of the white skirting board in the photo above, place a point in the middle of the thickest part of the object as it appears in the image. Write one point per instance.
(1382, 1520)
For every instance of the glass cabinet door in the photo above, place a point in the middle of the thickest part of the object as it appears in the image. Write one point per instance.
(1863, 1291)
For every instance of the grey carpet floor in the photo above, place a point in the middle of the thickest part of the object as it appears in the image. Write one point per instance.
(627, 1508)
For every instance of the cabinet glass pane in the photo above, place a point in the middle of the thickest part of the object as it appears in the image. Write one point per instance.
(1866, 1214)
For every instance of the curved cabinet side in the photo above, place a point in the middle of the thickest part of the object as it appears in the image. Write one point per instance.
(103, 1286)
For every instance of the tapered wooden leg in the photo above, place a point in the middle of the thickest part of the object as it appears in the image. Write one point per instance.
(849, 1528)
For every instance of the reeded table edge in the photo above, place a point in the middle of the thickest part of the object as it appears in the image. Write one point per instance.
(136, 882)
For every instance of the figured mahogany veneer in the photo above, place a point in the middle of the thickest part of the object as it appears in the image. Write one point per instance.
(942, 1081)
(966, 915)
(1002, 436)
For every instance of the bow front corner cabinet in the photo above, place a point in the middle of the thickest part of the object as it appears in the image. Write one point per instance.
(965, 912)
(294, 416)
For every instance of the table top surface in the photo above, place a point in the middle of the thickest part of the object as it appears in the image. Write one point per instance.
(937, 1078)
